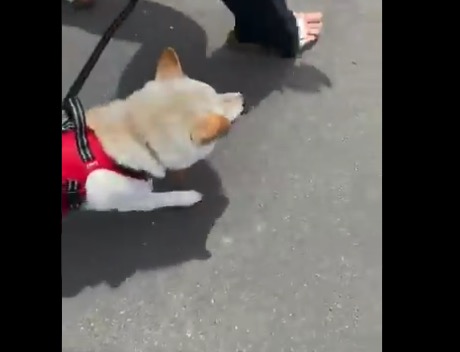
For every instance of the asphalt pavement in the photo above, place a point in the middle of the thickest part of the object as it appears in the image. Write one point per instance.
(285, 251)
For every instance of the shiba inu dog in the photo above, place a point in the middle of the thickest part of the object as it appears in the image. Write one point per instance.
(169, 124)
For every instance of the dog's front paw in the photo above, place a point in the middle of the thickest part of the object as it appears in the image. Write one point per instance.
(188, 198)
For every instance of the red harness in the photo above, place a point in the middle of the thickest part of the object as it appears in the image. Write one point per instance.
(75, 170)
(82, 153)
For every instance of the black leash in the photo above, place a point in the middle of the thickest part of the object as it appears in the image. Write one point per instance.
(91, 62)
(73, 115)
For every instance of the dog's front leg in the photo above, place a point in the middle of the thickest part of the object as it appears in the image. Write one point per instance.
(142, 161)
(107, 190)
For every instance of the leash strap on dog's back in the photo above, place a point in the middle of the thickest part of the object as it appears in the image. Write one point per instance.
(75, 120)
(91, 62)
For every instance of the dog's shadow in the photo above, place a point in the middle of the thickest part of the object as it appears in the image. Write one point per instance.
(110, 247)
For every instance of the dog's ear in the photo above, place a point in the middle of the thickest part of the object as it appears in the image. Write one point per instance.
(209, 129)
(168, 66)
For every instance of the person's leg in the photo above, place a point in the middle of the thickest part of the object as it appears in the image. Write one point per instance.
(247, 29)
(271, 24)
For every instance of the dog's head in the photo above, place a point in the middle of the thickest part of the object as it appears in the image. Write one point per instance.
(186, 116)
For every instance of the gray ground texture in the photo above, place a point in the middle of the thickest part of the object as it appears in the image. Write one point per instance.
(285, 251)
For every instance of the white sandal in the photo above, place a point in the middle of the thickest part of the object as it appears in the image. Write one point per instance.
(304, 43)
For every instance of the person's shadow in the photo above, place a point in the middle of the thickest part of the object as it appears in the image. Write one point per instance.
(110, 247)
(156, 27)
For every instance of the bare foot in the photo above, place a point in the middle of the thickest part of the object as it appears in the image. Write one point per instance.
(310, 25)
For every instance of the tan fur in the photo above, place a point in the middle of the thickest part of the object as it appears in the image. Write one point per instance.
(209, 129)
(168, 66)
(170, 123)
